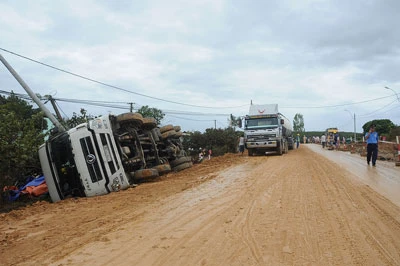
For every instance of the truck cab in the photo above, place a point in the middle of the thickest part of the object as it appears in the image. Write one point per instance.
(83, 161)
(267, 130)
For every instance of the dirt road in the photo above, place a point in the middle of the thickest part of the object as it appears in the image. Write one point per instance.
(295, 209)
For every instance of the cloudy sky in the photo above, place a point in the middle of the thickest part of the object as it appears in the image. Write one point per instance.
(201, 60)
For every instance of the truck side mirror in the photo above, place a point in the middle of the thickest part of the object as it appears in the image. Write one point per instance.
(282, 121)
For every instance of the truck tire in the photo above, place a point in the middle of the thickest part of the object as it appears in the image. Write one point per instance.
(291, 146)
(130, 118)
(168, 134)
(279, 149)
(250, 152)
(179, 161)
(163, 168)
(155, 135)
(181, 167)
(149, 123)
(178, 134)
(157, 132)
(166, 128)
(146, 173)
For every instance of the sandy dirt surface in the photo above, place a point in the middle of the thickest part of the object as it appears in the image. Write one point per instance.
(297, 209)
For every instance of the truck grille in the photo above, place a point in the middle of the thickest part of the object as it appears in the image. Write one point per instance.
(260, 137)
(91, 161)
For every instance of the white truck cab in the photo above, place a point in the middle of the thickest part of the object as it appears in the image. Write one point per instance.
(83, 161)
(267, 130)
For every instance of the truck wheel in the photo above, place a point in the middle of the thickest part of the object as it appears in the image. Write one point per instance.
(181, 167)
(157, 132)
(179, 161)
(166, 128)
(146, 173)
(168, 134)
(280, 148)
(291, 146)
(286, 147)
(130, 118)
(250, 151)
(163, 168)
(178, 134)
(155, 135)
(149, 123)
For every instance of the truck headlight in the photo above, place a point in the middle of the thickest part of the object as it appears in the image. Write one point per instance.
(116, 186)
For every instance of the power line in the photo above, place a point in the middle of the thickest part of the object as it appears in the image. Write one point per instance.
(61, 110)
(112, 86)
(190, 119)
(374, 112)
(123, 105)
(337, 105)
(105, 104)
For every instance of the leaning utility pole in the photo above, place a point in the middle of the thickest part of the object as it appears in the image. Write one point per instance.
(53, 103)
(32, 95)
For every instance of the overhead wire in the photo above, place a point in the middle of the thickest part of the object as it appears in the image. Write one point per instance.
(59, 108)
(112, 86)
(191, 119)
(336, 105)
(377, 110)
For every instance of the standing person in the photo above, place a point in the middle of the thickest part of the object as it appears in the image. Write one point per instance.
(241, 145)
(304, 139)
(372, 145)
(209, 154)
(297, 141)
(323, 141)
(337, 141)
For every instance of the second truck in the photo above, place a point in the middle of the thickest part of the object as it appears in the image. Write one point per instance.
(266, 130)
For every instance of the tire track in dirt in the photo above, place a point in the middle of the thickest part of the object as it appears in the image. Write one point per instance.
(356, 218)
(295, 209)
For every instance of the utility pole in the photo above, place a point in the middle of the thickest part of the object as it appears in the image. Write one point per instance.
(215, 124)
(355, 134)
(131, 107)
(46, 111)
(53, 103)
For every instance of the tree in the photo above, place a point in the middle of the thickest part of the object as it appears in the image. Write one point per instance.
(78, 119)
(382, 126)
(221, 141)
(235, 121)
(21, 133)
(298, 123)
(157, 114)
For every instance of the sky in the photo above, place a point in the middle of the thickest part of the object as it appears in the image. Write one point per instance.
(200, 61)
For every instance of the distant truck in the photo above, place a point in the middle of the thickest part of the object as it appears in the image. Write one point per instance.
(331, 133)
(106, 154)
(266, 129)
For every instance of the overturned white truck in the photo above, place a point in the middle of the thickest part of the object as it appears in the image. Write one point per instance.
(266, 129)
(110, 153)
(106, 154)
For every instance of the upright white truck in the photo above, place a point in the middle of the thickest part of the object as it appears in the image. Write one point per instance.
(266, 129)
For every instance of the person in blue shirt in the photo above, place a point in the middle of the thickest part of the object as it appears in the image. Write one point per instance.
(372, 145)
(297, 141)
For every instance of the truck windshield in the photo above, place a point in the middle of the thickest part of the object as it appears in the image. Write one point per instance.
(261, 122)
(64, 164)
